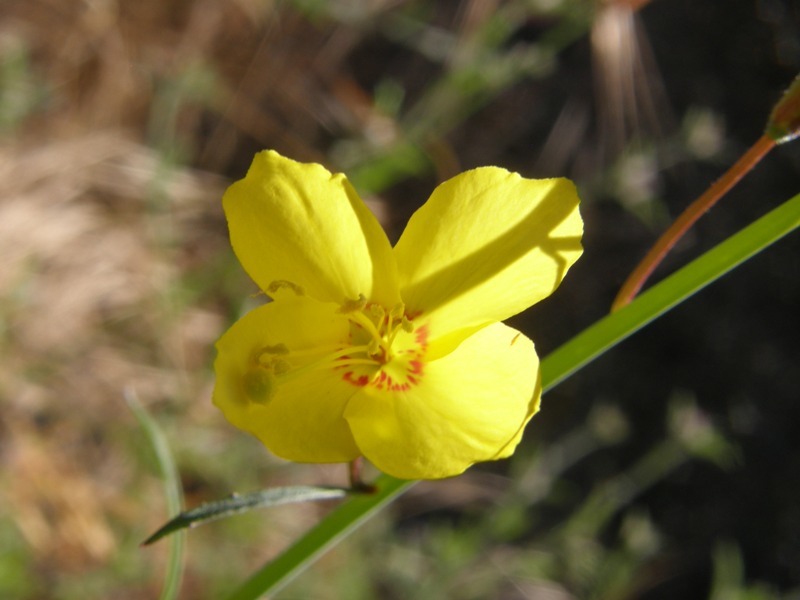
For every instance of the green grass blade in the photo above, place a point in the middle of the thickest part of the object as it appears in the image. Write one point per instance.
(712, 265)
(172, 492)
(570, 357)
(325, 534)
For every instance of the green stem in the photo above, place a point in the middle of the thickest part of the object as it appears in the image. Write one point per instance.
(172, 491)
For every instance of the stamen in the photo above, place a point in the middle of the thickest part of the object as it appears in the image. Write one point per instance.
(353, 306)
(361, 319)
(398, 311)
(374, 348)
(331, 360)
(356, 361)
(378, 312)
(407, 325)
(280, 284)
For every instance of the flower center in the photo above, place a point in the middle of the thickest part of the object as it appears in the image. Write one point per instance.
(371, 325)
(386, 350)
(382, 349)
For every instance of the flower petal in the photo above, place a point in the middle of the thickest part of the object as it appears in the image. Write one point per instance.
(469, 406)
(297, 418)
(487, 245)
(296, 222)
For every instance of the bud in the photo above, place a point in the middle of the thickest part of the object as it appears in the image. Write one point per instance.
(784, 122)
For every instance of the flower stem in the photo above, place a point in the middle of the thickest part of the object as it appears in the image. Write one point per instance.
(783, 126)
(356, 483)
(689, 216)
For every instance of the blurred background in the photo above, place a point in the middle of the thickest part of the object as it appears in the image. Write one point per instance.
(669, 468)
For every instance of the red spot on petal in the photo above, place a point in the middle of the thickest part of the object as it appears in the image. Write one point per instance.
(360, 381)
(421, 336)
(416, 367)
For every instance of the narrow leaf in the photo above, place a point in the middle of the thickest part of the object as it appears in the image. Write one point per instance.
(239, 503)
(172, 492)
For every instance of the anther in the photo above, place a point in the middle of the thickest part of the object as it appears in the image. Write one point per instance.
(374, 347)
(398, 311)
(280, 284)
(377, 312)
(351, 306)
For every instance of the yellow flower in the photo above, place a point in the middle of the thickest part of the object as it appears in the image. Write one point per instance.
(396, 354)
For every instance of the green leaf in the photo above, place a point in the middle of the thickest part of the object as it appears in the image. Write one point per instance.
(570, 357)
(239, 503)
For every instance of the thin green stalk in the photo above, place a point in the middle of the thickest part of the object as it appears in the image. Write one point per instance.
(172, 492)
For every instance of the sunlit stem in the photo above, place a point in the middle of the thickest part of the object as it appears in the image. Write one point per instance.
(783, 126)
(318, 350)
(356, 482)
(689, 216)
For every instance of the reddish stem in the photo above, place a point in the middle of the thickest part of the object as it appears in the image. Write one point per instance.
(689, 216)
(356, 483)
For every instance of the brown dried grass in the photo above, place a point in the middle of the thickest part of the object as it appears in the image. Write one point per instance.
(83, 287)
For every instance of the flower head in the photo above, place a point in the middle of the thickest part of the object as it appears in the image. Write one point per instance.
(397, 354)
